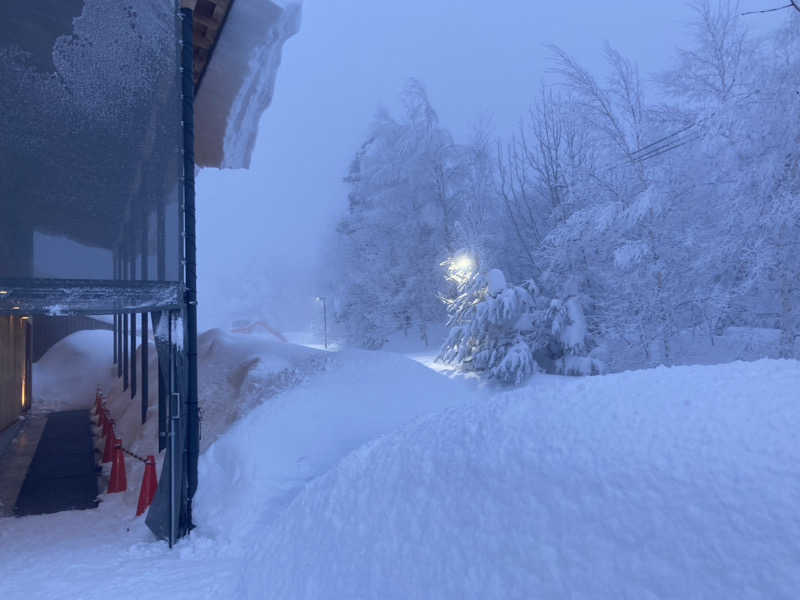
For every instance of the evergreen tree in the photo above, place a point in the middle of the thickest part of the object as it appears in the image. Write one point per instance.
(486, 317)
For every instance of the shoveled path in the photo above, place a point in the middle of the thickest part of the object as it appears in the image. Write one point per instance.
(62, 474)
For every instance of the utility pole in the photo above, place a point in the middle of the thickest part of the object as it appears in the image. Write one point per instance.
(324, 320)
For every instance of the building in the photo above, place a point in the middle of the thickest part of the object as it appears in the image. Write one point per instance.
(102, 112)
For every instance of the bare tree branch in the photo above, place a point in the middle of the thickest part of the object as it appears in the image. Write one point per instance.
(795, 4)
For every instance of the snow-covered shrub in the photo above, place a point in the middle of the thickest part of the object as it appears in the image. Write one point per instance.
(485, 317)
(571, 336)
(509, 332)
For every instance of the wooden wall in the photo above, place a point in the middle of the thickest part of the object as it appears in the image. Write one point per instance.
(15, 368)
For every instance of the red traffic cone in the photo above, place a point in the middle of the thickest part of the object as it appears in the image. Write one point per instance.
(149, 485)
(118, 481)
(108, 449)
(108, 426)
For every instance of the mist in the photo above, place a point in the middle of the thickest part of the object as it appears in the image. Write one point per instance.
(481, 62)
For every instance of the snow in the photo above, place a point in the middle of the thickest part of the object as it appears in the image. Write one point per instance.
(269, 456)
(496, 281)
(59, 385)
(237, 372)
(699, 346)
(258, 87)
(572, 333)
(372, 476)
(669, 483)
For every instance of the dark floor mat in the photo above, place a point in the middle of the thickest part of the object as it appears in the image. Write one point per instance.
(62, 474)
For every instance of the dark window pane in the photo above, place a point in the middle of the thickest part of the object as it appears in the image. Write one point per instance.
(90, 139)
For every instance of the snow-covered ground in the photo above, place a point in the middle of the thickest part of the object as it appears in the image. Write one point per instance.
(669, 483)
(372, 476)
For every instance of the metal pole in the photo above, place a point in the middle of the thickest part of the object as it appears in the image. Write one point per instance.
(172, 433)
(132, 257)
(118, 320)
(125, 265)
(133, 355)
(119, 345)
(145, 394)
(190, 254)
(114, 338)
(325, 322)
(161, 243)
(125, 362)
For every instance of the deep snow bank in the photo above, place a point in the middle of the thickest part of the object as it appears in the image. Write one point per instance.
(237, 372)
(259, 465)
(666, 483)
(107, 552)
(67, 376)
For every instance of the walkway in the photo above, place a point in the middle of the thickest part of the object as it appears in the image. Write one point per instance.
(62, 475)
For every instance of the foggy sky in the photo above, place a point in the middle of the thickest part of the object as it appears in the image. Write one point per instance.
(476, 58)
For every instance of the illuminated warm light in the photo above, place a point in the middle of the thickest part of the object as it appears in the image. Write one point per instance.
(3, 292)
(15, 308)
(464, 264)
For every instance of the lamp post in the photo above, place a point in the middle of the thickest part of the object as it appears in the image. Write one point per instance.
(324, 320)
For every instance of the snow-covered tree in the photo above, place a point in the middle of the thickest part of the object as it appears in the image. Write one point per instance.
(574, 348)
(404, 202)
(509, 332)
(714, 69)
(486, 318)
(645, 222)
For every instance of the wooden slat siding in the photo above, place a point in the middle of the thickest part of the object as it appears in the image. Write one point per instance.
(201, 40)
(12, 368)
(209, 15)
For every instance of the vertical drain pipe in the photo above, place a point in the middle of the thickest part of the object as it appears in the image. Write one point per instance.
(190, 253)
(173, 447)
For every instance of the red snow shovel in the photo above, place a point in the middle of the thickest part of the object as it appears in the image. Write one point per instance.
(149, 485)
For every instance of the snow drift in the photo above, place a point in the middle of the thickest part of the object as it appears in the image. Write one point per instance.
(253, 471)
(67, 376)
(667, 483)
(238, 372)
(374, 477)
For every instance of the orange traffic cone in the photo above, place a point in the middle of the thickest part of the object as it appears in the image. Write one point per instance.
(108, 449)
(118, 481)
(149, 485)
(108, 426)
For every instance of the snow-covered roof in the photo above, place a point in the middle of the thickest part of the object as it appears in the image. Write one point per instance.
(238, 47)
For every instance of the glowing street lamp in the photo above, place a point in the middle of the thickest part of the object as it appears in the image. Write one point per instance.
(324, 320)
(464, 264)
